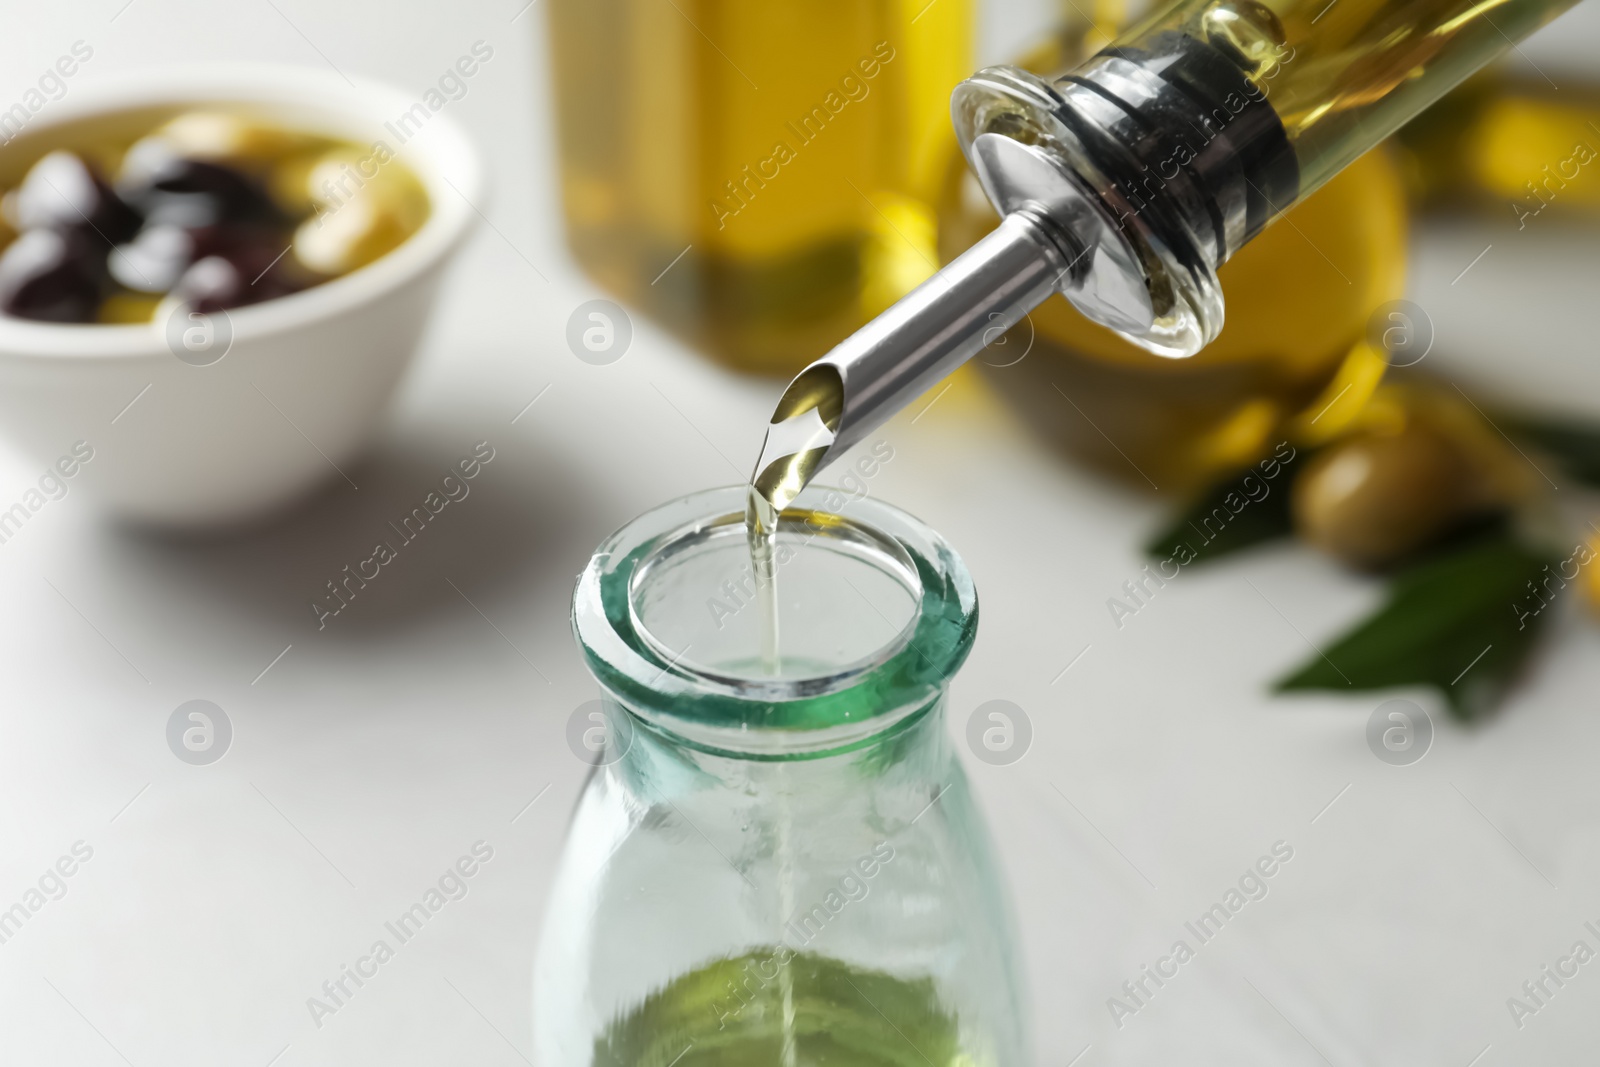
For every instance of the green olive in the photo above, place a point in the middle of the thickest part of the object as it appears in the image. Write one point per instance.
(288, 183)
(220, 137)
(363, 208)
(1377, 496)
(123, 308)
(350, 236)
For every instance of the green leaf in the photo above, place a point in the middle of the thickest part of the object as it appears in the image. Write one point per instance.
(1463, 621)
(1575, 445)
(1244, 509)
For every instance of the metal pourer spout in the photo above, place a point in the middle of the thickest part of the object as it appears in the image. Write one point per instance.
(942, 323)
(1053, 237)
(835, 402)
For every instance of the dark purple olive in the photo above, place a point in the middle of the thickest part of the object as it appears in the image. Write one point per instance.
(51, 276)
(245, 274)
(212, 284)
(62, 192)
(188, 192)
(155, 259)
(253, 248)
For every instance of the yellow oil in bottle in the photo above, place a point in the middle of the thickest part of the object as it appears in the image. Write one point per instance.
(759, 177)
(731, 1013)
(1291, 362)
(1342, 75)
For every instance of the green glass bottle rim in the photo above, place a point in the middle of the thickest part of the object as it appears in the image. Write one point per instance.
(794, 715)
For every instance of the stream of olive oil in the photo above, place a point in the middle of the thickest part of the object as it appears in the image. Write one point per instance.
(732, 1013)
(797, 438)
(761, 528)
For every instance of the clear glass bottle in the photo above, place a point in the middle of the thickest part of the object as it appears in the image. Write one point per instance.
(776, 869)
(787, 150)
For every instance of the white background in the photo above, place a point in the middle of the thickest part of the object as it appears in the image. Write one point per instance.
(375, 752)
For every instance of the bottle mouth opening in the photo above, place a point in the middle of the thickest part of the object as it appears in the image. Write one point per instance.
(875, 613)
(846, 600)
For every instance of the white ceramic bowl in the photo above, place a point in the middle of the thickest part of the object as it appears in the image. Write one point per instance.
(306, 377)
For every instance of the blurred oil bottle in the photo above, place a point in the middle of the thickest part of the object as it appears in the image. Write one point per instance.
(1504, 142)
(790, 151)
(1292, 361)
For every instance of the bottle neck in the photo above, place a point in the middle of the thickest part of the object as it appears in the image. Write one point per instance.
(1161, 159)
(656, 764)
(1171, 149)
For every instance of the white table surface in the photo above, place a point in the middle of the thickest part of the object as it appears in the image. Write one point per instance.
(373, 753)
